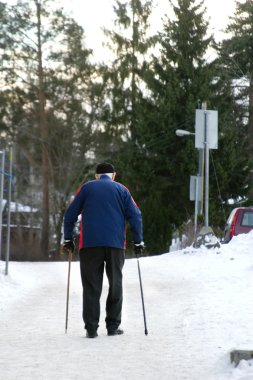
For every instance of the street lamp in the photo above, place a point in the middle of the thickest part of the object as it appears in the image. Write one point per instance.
(182, 132)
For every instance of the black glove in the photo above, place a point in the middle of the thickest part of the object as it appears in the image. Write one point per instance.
(138, 248)
(68, 245)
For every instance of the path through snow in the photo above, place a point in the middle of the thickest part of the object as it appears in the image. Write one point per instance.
(199, 306)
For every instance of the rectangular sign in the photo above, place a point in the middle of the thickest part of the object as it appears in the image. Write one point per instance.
(206, 129)
(196, 187)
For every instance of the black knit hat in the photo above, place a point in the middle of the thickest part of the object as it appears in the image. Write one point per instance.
(105, 167)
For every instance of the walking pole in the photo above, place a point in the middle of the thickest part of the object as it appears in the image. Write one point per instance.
(142, 297)
(67, 303)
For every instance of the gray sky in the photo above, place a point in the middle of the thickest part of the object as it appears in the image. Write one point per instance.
(99, 13)
(95, 14)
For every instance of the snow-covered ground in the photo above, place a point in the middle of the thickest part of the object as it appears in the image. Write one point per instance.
(199, 307)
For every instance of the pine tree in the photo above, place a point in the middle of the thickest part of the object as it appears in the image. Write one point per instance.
(124, 77)
(229, 164)
(236, 54)
(124, 85)
(180, 76)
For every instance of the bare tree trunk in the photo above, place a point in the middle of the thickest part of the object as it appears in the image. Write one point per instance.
(250, 133)
(43, 131)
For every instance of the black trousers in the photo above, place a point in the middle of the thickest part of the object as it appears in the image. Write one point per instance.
(92, 263)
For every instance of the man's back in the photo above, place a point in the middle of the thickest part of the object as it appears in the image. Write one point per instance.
(105, 205)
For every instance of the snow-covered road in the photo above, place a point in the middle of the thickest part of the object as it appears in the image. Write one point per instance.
(199, 306)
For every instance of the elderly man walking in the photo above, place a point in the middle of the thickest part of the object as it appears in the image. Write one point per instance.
(105, 206)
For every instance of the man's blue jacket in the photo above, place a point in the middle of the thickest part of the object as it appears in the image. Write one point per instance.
(105, 206)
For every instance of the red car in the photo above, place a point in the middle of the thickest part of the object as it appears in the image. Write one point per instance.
(240, 221)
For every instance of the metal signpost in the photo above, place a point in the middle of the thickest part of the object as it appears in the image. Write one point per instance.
(206, 137)
(2, 153)
(8, 232)
(3, 174)
(196, 195)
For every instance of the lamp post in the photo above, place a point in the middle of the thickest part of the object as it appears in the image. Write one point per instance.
(198, 190)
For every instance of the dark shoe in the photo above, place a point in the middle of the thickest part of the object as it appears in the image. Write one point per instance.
(91, 334)
(115, 332)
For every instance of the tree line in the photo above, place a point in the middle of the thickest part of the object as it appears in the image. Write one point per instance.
(65, 112)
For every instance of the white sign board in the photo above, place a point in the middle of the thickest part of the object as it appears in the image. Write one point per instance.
(206, 129)
(196, 188)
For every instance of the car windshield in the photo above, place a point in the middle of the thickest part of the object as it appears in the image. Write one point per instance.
(247, 220)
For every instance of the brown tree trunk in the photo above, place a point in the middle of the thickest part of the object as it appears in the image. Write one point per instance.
(43, 131)
(250, 134)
